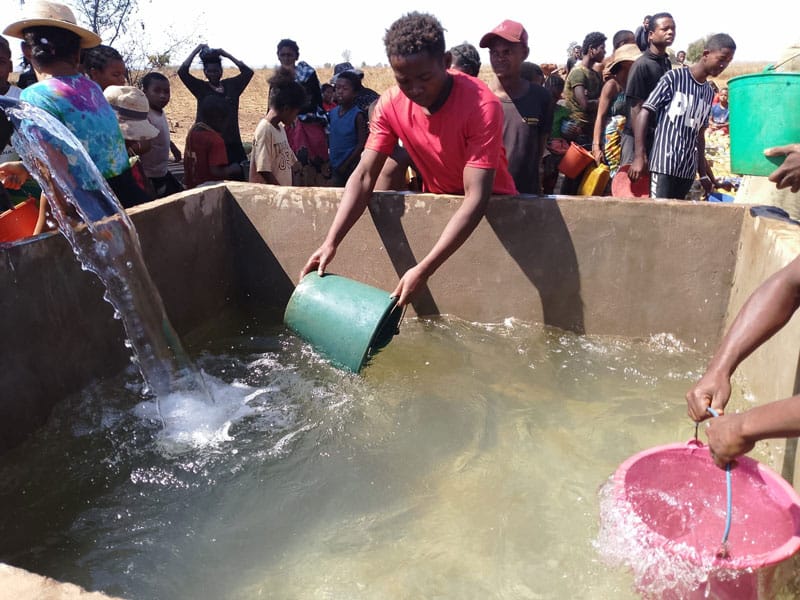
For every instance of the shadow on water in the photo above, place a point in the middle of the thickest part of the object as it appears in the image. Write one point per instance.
(104, 241)
(536, 236)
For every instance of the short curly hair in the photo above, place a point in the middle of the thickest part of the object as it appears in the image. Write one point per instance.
(415, 33)
(592, 40)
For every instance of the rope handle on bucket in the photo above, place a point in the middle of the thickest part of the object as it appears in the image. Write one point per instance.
(723, 551)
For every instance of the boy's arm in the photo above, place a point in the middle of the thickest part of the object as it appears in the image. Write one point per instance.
(246, 73)
(765, 312)
(356, 195)
(639, 164)
(477, 190)
(730, 436)
(603, 104)
(183, 70)
(788, 174)
(707, 179)
(176, 152)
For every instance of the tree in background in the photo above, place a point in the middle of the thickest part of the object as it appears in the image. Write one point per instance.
(695, 50)
(108, 18)
(119, 24)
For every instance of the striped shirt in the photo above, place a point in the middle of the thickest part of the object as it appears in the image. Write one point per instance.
(682, 106)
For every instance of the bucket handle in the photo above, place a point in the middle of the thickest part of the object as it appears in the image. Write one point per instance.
(783, 62)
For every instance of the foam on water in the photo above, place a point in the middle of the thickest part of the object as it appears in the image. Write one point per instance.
(625, 540)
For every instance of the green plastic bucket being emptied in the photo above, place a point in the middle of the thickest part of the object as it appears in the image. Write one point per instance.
(345, 320)
(764, 112)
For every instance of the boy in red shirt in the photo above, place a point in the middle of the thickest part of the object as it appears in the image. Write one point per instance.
(204, 157)
(450, 123)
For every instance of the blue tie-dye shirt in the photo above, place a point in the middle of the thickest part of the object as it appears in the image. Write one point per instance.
(78, 102)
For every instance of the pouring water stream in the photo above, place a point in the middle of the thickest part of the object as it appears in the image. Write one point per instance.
(105, 242)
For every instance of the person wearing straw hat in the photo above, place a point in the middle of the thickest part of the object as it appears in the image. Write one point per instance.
(612, 108)
(50, 30)
(132, 108)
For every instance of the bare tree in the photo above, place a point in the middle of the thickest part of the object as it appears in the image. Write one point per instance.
(346, 55)
(108, 18)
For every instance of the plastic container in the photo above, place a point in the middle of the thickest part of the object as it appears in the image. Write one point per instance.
(764, 109)
(345, 320)
(623, 187)
(575, 161)
(720, 196)
(594, 181)
(680, 495)
(19, 222)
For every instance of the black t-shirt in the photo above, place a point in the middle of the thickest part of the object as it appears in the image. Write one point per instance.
(232, 88)
(642, 79)
(525, 119)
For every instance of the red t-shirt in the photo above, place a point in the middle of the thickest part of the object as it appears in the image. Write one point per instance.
(204, 148)
(466, 131)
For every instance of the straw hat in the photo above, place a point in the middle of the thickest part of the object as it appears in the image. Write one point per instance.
(131, 106)
(51, 14)
(626, 52)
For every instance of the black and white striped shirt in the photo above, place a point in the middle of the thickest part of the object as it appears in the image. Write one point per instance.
(683, 106)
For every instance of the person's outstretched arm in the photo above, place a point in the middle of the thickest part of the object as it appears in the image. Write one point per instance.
(607, 94)
(356, 195)
(730, 436)
(183, 70)
(477, 190)
(765, 312)
(245, 72)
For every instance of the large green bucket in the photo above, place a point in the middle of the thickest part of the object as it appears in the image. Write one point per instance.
(764, 112)
(345, 320)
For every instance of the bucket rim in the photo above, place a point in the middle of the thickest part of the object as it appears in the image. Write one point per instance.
(770, 74)
(757, 561)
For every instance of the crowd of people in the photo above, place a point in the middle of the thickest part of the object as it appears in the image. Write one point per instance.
(640, 113)
(608, 104)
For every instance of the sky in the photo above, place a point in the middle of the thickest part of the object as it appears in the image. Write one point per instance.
(250, 30)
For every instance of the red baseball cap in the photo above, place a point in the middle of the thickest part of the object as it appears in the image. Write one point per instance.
(508, 30)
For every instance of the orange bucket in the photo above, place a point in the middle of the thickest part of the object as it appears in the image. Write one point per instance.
(19, 222)
(575, 161)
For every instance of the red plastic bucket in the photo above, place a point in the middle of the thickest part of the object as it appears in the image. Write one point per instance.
(19, 222)
(623, 187)
(575, 161)
(677, 495)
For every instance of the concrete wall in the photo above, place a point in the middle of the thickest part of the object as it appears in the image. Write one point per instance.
(602, 266)
(771, 372)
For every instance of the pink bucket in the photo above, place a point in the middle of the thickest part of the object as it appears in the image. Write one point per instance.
(679, 495)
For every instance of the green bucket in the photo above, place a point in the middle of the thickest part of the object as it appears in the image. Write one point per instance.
(345, 320)
(764, 109)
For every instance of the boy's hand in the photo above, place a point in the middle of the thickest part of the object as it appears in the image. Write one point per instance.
(788, 174)
(13, 175)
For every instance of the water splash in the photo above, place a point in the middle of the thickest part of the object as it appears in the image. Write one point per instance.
(106, 243)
